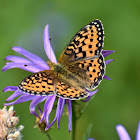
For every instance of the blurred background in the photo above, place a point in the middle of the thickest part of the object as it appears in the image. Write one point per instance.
(117, 101)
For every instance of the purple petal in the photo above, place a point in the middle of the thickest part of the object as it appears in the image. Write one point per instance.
(90, 94)
(108, 61)
(138, 132)
(47, 45)
(70, 114)
(10, 88)
(18, 59)
(59, 110)
(93, 92)
(14, 95)
(35, 102)
(107, 52)
(107, 78)
(39, 109)
(48, 108)
(32, 57)
(21, 99)
(30, 68)
(122, 133)
(56, 115)
(87, 99)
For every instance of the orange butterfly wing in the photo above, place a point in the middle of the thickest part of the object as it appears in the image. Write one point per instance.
(84, 50)
(69, 92)
(87, 43)
(41, 83)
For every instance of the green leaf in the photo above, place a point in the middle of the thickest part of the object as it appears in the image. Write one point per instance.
(87, 133)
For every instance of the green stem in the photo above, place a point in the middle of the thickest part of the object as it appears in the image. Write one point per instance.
(82, 111)
(73, 122)
(75, 118)
(49, 138)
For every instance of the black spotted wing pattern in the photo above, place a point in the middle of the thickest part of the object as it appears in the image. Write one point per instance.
(41, 83)
(87, 43)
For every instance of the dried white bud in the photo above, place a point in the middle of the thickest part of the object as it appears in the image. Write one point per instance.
(8, 122)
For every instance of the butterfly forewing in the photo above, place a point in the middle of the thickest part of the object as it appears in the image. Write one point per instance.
(87, 43)
(41, 83)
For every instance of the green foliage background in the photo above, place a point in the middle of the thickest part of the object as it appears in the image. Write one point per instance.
(117, 102)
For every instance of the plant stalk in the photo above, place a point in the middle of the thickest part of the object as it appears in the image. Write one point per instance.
(73, 122)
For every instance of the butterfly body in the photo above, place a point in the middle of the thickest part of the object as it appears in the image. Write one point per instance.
(63, 74)
(80, 68)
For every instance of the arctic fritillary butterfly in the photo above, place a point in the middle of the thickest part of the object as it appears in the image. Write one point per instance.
(80, 68)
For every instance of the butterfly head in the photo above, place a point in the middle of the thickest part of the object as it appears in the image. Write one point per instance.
(51, 65)
(56, 67)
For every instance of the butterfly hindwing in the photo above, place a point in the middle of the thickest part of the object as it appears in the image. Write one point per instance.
(69, 92)
(41, 83)
(95, 70)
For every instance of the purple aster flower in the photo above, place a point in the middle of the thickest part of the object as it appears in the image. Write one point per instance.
(33, 63)
(123, 133)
